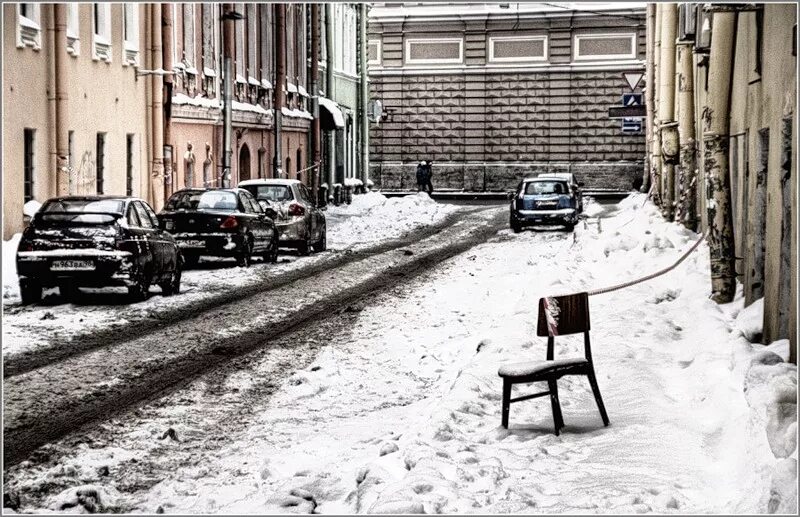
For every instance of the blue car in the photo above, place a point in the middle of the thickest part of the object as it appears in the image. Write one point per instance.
(544, 201)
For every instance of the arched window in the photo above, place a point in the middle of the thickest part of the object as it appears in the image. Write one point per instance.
(288, 170)
(299, 164)
(244, 163)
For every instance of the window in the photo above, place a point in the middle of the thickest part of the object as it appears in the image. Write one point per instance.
(132, 217)
(605, 46)
(129, 165)
(759, 38)
(299, 164)
(188, 21)
(517, 48)
(265, 14)
(28, 165)
(101, 159)
(101, 27)
(374, 52)
(208, 22)
(73, 29)
(144, 217)
(29, 32)
(438, 51)
(239, 44)
(131, 33)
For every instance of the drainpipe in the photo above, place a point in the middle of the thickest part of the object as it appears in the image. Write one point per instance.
(649, 95)
(316, 128)
(144, 184)
(656, 143)
(330, 94)
(280, 85)
(62, 123)
(666, 108)
(227, 52)
(715, 146)
(158, 114)
(166, 42)
(687, 169)
(364, 94)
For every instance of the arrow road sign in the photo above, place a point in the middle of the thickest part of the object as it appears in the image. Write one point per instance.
(633, 79)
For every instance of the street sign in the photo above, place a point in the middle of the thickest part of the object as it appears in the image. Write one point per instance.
(631, 125)
(631, 99)
(626, 111)
(633, 79)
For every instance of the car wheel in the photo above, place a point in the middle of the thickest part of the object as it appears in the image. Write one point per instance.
(139, 291)
(30, 291)
(190, 260)
(245, 257)
(515, 226)
(272, 253)
(303, 248)
(322, 243)
(173, 285)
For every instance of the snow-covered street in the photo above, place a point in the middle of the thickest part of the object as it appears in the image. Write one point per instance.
(393, 406)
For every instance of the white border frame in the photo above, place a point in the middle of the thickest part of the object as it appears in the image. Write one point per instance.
(526, 59)
(379, 43)
(407, 54)
(599, 57)
(100, 40)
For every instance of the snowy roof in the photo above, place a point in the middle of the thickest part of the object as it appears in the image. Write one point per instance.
(268, 181)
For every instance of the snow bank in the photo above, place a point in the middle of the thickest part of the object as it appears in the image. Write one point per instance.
(373, 216)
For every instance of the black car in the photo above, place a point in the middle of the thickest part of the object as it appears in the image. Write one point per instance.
(96, 241)
(219, 222)
(543, 201)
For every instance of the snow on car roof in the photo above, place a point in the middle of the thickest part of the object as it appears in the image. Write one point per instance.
(268, 181)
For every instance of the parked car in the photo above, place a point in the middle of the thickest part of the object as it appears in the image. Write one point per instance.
(96, 241)
(573, 182)
(543, 201)
(219, 222)
(300, 223)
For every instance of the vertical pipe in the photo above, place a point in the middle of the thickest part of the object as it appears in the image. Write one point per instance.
(649, 94)
(62, 123)
(316, 129)
(227, 52)
(145, 180)
(666, 108)
(716, 124)
(167, 45)
(52, 119)
(364, 95)
(656, 166)
(157, 113)
(687, 173)
(280, 85)
(329, 92)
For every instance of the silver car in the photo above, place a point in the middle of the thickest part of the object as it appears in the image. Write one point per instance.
(300, 223)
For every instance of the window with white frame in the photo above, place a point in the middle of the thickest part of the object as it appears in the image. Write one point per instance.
(29, 30)
(73, 29)
(374, 52)
(188, 20)
(434, 51)
(101, 32)
(516, 49)
(130, 35)
(604, 46)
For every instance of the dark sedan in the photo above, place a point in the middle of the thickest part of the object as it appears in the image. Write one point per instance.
(543, 201)
(96, 241)
(221, 223)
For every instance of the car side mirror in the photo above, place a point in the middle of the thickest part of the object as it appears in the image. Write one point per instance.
(510, 195)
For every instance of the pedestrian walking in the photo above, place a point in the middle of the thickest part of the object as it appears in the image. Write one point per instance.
(422, 172)
(428, 175)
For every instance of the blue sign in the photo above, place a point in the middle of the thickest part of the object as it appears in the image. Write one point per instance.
(631, 125)
(631, 99)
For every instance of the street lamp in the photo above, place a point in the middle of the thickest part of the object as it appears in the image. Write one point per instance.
(227, 16)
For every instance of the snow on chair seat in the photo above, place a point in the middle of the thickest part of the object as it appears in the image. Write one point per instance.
(558, 316)
(534, 367)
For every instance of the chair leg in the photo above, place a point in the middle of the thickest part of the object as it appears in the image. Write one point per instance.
(506, 402)
(597, 397)
(558, 421)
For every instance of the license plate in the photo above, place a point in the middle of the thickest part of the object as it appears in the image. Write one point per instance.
(169, 225)
(72, 265)
(192, 244)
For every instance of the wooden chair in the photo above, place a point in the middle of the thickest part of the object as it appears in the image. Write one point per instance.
(558, 316)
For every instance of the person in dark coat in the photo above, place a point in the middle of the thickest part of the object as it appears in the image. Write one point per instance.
(422, 173)
(428, 175)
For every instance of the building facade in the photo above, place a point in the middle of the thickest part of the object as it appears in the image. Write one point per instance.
(495, 92)
(128, 98)
(740, 85)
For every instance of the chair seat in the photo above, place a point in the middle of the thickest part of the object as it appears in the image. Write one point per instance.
(539, 367)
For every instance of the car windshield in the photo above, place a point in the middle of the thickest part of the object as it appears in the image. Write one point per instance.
(186, 200)
(105, 206)
(271, 192)
(200, 200)
(545, 187)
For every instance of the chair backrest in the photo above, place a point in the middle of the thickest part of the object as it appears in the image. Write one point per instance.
(563, 315)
